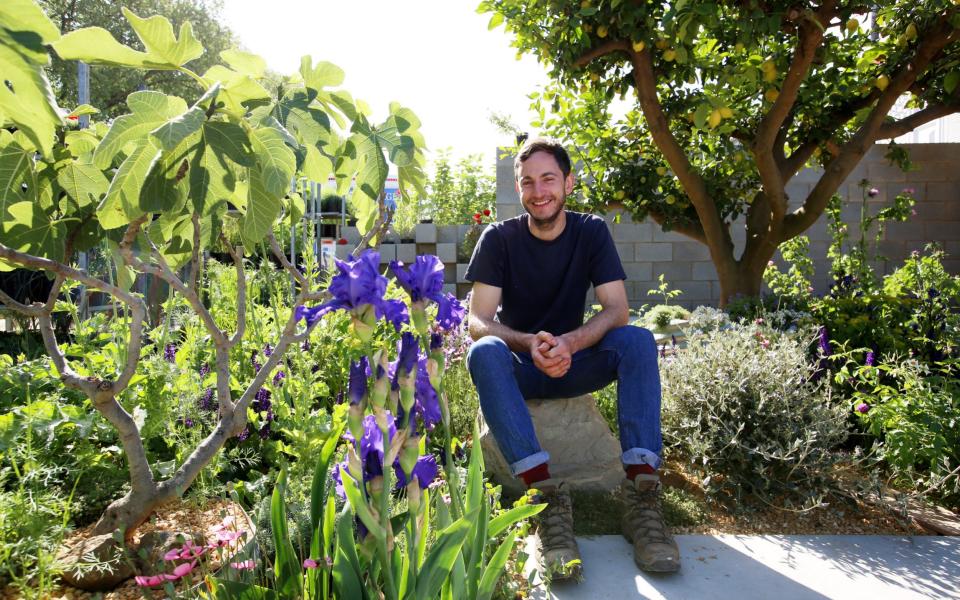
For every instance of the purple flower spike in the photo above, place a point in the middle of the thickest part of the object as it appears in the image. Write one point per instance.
(170, 353)
(206, 401)
(261, 400)
(450, 312)
(425, 470)
(824, 342)
(278, 377)
(267, 350)
(243, 435)
(424, 278)
(871, 359)
(204, 369)
(359, 372)
(264, 432)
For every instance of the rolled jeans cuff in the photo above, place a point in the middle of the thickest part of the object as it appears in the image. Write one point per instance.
(525, 464)
(640, 456)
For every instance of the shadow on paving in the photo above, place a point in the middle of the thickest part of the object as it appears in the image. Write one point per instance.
(929, 565)
(731, 567)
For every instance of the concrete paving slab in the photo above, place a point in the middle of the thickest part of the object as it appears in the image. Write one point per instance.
(774, 567)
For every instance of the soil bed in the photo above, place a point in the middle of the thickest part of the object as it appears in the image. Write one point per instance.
(178, 516)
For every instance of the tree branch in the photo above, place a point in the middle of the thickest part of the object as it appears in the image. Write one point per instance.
(715, 235)
(195, 258)
(931, 44)
(601, 50)
(241, 291)
(909, 123)
(693, 231)
(284, 261)
(379, 228)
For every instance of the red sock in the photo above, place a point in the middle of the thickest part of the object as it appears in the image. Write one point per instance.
(634, 470)
(540, 472)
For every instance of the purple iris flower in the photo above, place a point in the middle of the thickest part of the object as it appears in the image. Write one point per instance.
(424, 278)
(359, 283)
(359, 372)
(871, 358)
(170, 353)
(436, 341)
(372, 445)
(426, 404)
(407, 355)
(450, 312)
(425, 471)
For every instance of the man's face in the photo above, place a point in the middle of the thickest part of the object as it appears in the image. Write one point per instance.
(543, 188)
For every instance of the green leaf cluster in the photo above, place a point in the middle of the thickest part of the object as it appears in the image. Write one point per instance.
(233, 153)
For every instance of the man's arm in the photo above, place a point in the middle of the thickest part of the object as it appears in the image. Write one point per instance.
(484, 301)
(615, 312)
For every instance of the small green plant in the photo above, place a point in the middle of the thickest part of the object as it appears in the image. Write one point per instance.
(664, 290)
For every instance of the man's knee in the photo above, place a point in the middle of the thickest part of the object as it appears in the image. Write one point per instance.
(631, 338)
(488, 353)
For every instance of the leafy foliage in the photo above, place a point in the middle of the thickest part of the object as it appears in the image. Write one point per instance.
(730, 101)
(741, 405)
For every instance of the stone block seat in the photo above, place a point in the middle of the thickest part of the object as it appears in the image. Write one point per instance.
(583, 451)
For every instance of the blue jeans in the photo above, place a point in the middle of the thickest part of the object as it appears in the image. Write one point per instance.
(627, 355)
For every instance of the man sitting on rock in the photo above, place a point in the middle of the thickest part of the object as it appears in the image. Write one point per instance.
(530, 278)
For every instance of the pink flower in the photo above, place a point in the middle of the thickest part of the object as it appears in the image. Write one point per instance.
(310, 564)
(245, 565)
(181, 570)
(149, 580)
(191, 550)
(862, 408)
(172, 554)
(229, 536)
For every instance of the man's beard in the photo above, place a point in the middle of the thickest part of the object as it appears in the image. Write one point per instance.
(547, 222)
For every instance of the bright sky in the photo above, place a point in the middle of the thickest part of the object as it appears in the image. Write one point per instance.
(434, 56)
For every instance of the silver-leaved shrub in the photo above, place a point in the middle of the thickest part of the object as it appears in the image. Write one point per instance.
(752, 415)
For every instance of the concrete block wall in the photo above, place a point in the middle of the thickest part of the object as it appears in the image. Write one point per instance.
(647, 251)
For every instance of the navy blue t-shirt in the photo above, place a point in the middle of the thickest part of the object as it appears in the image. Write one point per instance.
(544, 283)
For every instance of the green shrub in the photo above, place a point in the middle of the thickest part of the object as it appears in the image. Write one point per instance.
(741, 405)
(659, 316)
(914, 411)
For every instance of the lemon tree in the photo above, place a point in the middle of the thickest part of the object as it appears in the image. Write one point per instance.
(727, 101)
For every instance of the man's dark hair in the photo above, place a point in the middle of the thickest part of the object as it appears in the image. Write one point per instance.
(542, 144)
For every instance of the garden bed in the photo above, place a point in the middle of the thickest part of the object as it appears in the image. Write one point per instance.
(185, 516)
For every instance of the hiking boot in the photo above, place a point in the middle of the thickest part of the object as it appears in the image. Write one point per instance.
(561, 557)
(653, 548)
